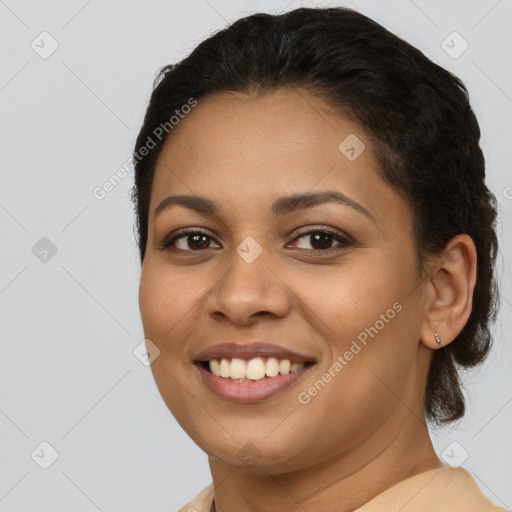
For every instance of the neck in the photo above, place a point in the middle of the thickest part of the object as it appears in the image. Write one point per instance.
(340, 483)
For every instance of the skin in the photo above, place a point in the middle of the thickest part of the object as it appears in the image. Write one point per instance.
(365, 430)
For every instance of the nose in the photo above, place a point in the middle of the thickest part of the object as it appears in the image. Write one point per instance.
(249, 290)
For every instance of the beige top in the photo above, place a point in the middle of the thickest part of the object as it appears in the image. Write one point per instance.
(448, 489)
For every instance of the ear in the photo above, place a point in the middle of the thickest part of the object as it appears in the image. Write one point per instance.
(450, 292)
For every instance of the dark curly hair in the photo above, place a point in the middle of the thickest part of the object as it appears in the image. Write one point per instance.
(424, 134)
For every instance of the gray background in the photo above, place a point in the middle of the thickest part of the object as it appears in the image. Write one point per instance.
(70, 320)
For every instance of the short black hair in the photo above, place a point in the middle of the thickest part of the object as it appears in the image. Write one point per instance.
(424, 134)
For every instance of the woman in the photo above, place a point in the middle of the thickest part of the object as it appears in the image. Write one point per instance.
(317, 246)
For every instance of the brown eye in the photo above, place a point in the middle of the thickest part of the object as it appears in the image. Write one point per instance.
(322, 240)
(197, 241)
(191, 241)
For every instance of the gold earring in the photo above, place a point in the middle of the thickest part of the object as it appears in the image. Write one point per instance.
(438, 339)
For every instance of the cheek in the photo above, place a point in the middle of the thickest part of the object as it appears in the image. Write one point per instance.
(362, 390)
(353, 297)
(166, 304)
(372, 323)
(166, 296)
(153, 303)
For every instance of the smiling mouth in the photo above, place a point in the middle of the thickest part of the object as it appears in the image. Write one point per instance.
(252, 370)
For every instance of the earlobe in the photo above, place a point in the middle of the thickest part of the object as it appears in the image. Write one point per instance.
(452, 283)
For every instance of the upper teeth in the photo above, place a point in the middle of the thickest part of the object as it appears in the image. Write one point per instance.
(253, 369)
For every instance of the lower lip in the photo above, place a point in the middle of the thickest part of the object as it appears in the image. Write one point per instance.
(249, 392)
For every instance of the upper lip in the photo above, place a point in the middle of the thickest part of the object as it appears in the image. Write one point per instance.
(249, 351)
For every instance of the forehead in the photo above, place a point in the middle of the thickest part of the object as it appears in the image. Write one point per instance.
(252, 149)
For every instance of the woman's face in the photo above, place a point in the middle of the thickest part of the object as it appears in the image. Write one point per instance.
(348, 300)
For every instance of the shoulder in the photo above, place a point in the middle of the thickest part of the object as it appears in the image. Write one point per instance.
(460, 488)
(463, 486)
(202, 502)
(448, 489)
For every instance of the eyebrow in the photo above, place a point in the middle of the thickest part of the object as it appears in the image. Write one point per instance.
(281, 206)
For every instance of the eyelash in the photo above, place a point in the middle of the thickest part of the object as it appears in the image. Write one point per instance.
(343, 240)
